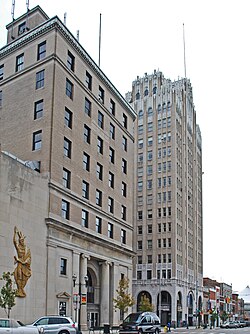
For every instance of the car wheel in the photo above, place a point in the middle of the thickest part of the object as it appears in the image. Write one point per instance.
(140, 331)
(63, 332)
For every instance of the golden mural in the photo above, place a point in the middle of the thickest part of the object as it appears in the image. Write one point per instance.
(22, 271)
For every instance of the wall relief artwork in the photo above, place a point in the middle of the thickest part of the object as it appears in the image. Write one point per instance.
(22, 261)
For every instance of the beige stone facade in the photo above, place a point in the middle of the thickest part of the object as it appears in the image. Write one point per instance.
(59, 110)
(168, 230)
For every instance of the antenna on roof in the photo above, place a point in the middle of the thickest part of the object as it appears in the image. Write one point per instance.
(184, 51)
(64, 18)
(27, 19)
(77, 35)
(27, 4)
(13, 17)
(100, 29)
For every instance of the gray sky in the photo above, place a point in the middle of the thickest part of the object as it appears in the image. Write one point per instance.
(140, 36)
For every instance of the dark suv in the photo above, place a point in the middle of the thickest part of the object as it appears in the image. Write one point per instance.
(141, 322)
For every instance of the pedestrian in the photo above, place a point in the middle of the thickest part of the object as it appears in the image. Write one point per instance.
(169, 326)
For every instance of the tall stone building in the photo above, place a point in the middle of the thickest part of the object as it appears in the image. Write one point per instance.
(61, 113)
(168, 236)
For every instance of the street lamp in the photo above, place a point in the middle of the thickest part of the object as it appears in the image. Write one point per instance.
(79, 297)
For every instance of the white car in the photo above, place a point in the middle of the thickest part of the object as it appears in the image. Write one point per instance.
(11, 326)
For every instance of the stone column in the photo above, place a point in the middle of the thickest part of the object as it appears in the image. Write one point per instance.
(105, 293)
(83, 289)
(52, 279)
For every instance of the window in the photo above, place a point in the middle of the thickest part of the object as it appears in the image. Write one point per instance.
(101, 94)
(63, 266)
(71, 61)
(124, 143)
(124, 189)
(139, 230)
(139, 215)
(150, 141)
(150, 127)
(139, 275)
(149, 244)
(123, 212)
(112, 107)
(67, 148)
(87, 107)
(99, 145)
(85, 189)
(37, 140)
(86, 161)
(140, 143)
(69, 89)
(110, 230)
(140, 114)
(41, 51)
(150, 111)
(111, 180)
(98, 225)
(149, 184)
(65, 209)
(149, 258)
(100, 120)
(66, 178)
(85, 218)
(123, 236)
(150, 155)
(98, 197)
(149, 170)
(111, 205)
(112, 131)
(40, 79)
(20, 62)
(88, 80)
(150, 214)
(111, 155)
(86, 134)
(124, 166)
(38, 109)
(68, 118)
(1, 72)
(125, 121)
(139, 244)
(99, 171)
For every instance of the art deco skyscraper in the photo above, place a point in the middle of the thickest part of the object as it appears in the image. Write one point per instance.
(168, 232)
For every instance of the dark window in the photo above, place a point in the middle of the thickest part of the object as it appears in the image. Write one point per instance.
(67, 148)
(86, 161)
(20, 62)
(71, 61)
(37, 140)
(68, 118)
(40, 79)
(124, 189)
(101, 94)
(124, 212)
(123, 236)
(111, 155)
(99, 171)
(88, 80)
(149, 274)
(41, 50)
(112, 131)
(87, 107)
(124, 143)
(85, 189)
(125, 121)
(63, 266)
(38, 109)
(98, 197)
(110, 230)
(112, 107)
(1, 72)
(111, 205)
(99, 145)
(21, 28)
(124, 166)
(86, 134)
(111, 180)
(66, 178)
(98, 224)
(85, 218)
(69, 89)
(100, 120)
(65, 209)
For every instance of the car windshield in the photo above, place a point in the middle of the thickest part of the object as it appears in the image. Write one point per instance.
(133, 317)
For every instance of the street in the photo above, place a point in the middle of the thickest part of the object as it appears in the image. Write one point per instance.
(217, 330)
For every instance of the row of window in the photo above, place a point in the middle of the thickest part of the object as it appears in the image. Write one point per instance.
(161, 212)
(162, 137)
(98, 221)
(163, 274)
(161, 108)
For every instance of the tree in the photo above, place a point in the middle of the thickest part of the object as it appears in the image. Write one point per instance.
(213, 317)
(124, 300)
(224, 316)
(145, 305)
(7, 293)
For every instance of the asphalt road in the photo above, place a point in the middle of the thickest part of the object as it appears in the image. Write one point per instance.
(217, 330)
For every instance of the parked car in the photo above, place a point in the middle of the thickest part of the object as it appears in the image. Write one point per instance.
(11, 326)
(229, 324)
(241, 323)
(141, 322)
(55, 325)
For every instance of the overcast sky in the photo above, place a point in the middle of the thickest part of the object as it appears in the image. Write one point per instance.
(139, 36)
